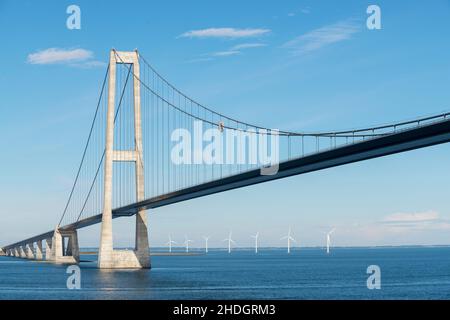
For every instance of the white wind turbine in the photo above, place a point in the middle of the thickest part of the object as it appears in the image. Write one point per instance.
(289, 239)
(206, 243)
(170, 243)
(329, 240)
(186, 243)
(256, 241)
(229, 241)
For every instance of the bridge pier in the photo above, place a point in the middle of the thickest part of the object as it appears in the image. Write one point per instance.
(49, 249)
(22, 252)
(39, 255)
(62, 253)
(108, 258)
(29, 252)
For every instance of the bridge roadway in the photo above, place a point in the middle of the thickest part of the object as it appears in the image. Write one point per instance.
(405, 140)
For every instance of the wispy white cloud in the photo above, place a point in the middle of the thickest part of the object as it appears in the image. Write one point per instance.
(225, 33)
(89, 64)
(248, 46)
(303, 11)
(322, 37)
(196, 60)
(73, 57)
(233, 51)
(397, 228)
(427, 220)
(56, 55)
(417, 217)
(225, 53)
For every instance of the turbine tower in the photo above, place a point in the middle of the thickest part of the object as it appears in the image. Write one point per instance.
(329, 240)
(289, 239)
(186, 243)
(170, 243)
(206, 243)
(256, 241)
(229, 241)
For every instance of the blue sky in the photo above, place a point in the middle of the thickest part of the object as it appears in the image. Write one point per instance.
(294, 65)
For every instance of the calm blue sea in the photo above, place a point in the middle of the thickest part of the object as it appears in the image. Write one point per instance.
(406, 273)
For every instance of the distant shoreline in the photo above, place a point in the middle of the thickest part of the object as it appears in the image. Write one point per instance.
(87, 253)
(161, 251)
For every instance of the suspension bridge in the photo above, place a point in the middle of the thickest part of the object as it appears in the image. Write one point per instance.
(127, 163)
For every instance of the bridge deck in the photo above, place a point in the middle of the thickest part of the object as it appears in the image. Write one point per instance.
(406, 140)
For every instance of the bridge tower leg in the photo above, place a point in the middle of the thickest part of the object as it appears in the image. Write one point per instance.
(109, 258)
